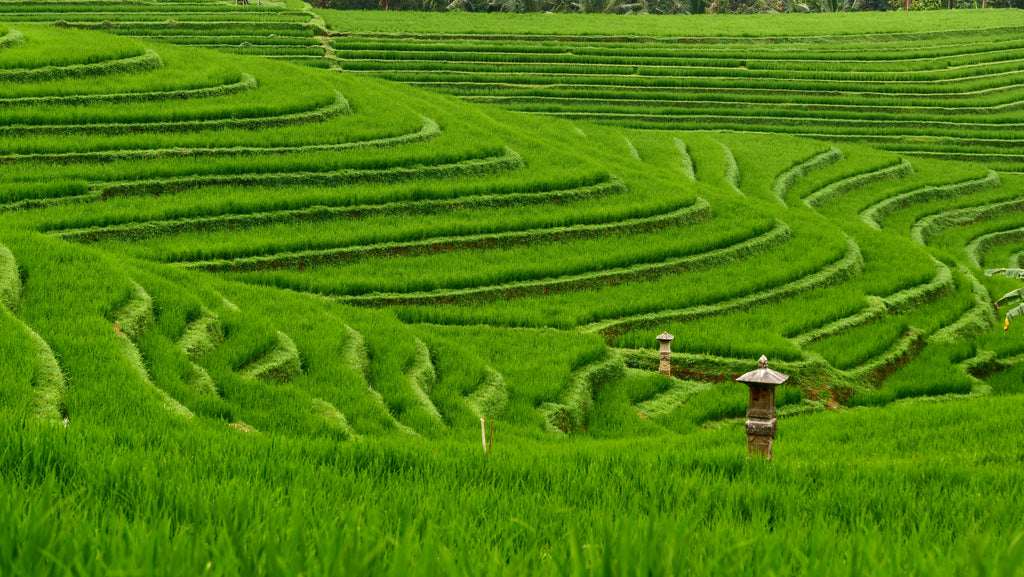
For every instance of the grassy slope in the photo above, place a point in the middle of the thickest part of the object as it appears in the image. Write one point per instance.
(135, 485)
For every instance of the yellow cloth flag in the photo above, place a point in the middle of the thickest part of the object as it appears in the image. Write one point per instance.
(1006, 324)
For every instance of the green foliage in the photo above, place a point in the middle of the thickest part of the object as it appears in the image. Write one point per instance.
(908, 88)
(570, 411)
(10, 280)
(637, 503)
(458, 221)
(931, 374)
(386, 267)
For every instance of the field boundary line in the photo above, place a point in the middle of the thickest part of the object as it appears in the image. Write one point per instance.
(874, 214)
(571, 410)
(874, 372)
(49, 386)
(631, 88)
(661, 98)
(320, 212)
(861, 37)
(670, 399)
(422, 376)
(687, 161)
(147, 61)
(976, 320)
(338, 107)
(846, 266)
(328, 413)
(281, 363)
(732, 175)
(130, 321)
(246, 82)
(784, 182)
(429, 129)
(981, 244)
(510, 160)
(200, 338)
(839, 188)
(689, 214)
(645, 271)
(355, 356)
(934, 224)
(491, 399)
(899, 301)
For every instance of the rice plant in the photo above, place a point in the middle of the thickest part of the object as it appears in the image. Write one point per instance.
(261, 318)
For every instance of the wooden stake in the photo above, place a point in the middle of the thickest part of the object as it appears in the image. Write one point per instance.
(483, 433)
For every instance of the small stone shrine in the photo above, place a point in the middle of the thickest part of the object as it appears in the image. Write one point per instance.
(761, 420)
(665, 354)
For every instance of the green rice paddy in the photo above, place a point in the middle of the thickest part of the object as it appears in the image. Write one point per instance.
(265, 270)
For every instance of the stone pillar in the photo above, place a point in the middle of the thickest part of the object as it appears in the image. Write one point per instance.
(665, 354)
(761, 421)
(760, 434)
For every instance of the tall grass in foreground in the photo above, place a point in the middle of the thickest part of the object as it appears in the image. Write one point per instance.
(861, 492)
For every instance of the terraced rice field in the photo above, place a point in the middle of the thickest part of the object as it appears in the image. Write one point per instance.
(281, 30)
(232, 282)
(235, 168)
(951, 89)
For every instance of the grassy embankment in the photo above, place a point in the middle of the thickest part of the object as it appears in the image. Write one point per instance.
(354, 427)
